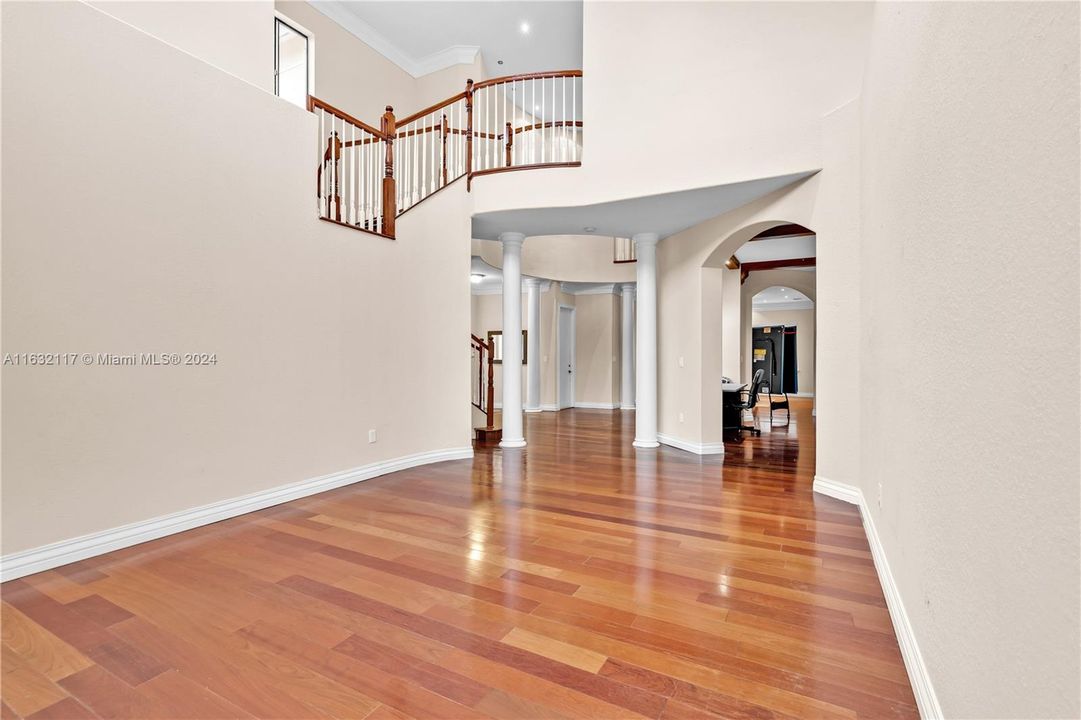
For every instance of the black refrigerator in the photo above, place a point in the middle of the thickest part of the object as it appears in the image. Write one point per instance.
(773, 350)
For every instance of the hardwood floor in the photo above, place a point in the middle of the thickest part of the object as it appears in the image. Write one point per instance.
(575, 579)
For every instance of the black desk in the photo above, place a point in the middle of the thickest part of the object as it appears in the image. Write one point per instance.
(732, 415)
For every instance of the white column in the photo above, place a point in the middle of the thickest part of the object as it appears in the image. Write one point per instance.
(645, 413)
(533, 363)
(512, 340)
(626, 394)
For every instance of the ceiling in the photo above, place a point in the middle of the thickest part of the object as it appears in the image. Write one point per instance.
(426, 36)
(665, 214)
(781, 298)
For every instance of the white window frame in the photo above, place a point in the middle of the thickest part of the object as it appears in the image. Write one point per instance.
(311, 51)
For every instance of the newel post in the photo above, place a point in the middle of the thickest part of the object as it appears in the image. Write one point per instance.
(490, 406)
(510, 143)
(468, 132)
(390, 209)
(444, 131)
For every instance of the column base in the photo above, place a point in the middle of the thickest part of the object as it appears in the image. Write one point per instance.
(626, 407)
(531, 410)
(646, 443)
(505, 443)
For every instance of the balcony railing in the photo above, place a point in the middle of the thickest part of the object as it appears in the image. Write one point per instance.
(368, 176)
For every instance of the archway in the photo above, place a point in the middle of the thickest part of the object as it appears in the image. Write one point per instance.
(728, 286)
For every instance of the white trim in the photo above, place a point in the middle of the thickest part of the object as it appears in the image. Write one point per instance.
(626, 407)
(692, 447)
(311, 50)
(550, 407)
(417, 67)
(596, 405)
(836, 490)
(607, 289)
(46, 557)
(918, 674)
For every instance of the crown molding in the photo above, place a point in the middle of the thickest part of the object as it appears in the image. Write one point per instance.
(417, 67)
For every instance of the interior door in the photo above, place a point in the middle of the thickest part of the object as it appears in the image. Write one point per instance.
(566, 357)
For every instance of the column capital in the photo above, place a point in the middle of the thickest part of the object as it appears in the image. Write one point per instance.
(645, 240)
(512, 239)
(531, 282)
(628, 288)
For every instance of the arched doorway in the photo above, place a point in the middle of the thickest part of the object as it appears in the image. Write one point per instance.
(747, 262)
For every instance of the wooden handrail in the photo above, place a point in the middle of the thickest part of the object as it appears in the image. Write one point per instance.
(431, 109)
(527, 76)
(346, 180)
(314, 102)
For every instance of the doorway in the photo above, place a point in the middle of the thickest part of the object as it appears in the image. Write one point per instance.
(566, 368)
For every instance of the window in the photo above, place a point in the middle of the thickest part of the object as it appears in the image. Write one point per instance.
(291, 63)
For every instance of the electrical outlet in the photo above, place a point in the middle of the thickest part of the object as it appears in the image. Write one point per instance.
(371, 436)
(681, 417)
(681, 361)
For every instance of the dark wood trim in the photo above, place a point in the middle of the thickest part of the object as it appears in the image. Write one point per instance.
(549, 124)
(620, 262)
(788, 230)
(354, 227)
(732, 263)
(777, 264)
(449, 101)
(527, 76)
(390, 196)
(536, 166)
(314, 102)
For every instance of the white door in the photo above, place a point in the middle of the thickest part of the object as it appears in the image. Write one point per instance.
(566, 357)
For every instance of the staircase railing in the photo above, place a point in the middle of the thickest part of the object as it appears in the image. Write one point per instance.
(367, 177)
(483, 378)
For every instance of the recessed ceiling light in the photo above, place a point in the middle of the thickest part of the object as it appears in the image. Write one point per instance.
(590, 229)
(524, 27)
(476, 277)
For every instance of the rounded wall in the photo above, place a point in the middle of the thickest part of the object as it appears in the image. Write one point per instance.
(566, 258)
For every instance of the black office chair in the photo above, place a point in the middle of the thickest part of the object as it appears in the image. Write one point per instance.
(752, 400)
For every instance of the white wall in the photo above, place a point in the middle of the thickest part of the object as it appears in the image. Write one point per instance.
(237, 37)
(198, 244)
(970, 216)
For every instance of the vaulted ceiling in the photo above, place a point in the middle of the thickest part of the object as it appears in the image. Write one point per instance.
(422, 37)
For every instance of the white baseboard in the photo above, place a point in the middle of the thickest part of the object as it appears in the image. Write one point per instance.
(696, 448)
(554, 407)
(839, 491)
(46, 557)
(918, 675)
(596, 406)
(626, 407)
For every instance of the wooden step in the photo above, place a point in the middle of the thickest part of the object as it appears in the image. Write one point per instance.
(488, 435)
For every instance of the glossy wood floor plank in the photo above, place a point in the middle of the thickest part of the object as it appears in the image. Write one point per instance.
(578, 578)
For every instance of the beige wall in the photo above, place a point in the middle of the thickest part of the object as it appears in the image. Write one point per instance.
(570, 258)
(597, 344)
(804, 322)
(596, 350)
(357, 79)
(970, 210)
(236, 37)
(321, 333)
